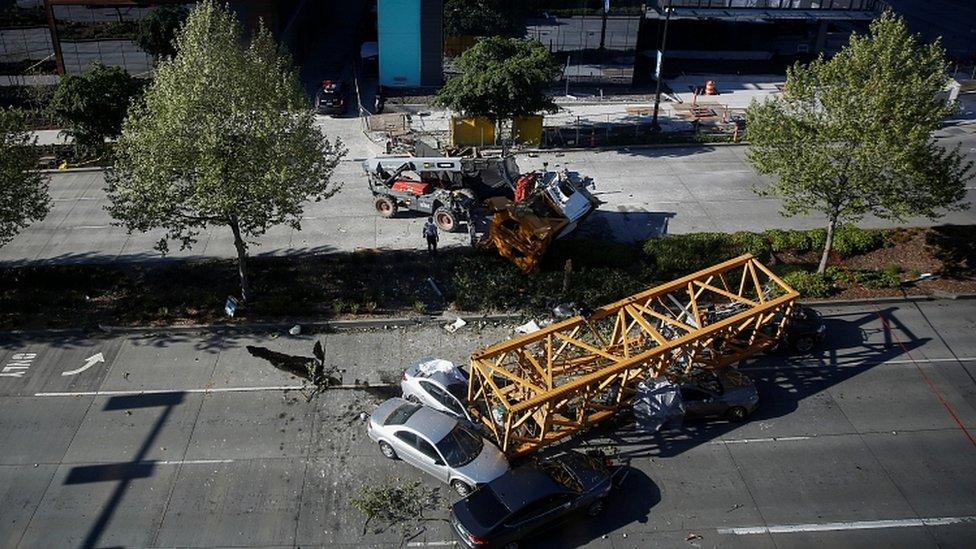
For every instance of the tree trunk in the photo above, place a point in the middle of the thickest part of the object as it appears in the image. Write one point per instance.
(828, 244)
(241, 260)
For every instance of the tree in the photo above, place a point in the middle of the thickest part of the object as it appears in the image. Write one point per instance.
(501, 78)
(158, 30)
(93, 105)
(23, 189)
(478, 18)
(853, 135)
(223, 136)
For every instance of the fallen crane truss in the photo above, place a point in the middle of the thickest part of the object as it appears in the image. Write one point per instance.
(538, 388)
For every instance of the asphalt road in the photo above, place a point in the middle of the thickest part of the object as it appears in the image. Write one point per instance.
(186, 440)
(646, 192)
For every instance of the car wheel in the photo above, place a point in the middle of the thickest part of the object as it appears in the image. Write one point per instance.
(736, 413)
(461, 488)
(388, 450)
(596, 507)
(445, 220)
(803, 344)
(385, 206)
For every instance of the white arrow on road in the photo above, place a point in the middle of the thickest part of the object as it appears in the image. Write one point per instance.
(89, 362)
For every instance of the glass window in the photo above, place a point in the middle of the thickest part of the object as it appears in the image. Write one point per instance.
(460, 446)
(539, 508)
(485, 507)
(427, 449)
(401, 414)
(407, 437)
(440, 395)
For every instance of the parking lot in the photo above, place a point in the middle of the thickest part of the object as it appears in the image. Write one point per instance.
(163, 440)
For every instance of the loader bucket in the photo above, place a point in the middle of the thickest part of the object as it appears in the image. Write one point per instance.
(519, 235)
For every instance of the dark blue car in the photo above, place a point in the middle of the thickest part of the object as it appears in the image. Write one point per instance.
(531, 498)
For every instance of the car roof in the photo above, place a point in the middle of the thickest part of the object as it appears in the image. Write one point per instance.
(431, 423)
(523, 485)
(431, 369)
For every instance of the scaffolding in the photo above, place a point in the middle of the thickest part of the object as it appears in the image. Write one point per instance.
(533, 390)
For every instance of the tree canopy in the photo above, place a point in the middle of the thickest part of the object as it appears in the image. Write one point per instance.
(157, 31)
(501, 78)
(479, 18)
(853, 135)
(93, 105)
(224, 136)
(23, 189)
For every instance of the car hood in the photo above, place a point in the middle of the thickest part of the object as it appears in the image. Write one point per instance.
(490, 464)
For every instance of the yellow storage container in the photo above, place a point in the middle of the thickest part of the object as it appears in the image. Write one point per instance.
(472, 131)
(528, 129)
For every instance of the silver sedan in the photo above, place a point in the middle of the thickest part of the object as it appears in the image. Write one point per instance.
(436, 443)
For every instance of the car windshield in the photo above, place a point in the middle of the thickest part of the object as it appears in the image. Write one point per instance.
(485, 507)
(401, 414)
(460, 447)
(459, 390)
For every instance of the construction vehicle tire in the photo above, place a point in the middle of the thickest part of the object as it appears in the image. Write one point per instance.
(445, 220)
(385, 205)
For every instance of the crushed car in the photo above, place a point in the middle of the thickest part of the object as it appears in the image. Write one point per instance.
(530, 499)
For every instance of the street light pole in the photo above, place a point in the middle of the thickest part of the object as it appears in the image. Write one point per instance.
(655, 127)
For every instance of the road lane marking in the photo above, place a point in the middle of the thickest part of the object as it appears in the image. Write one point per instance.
(162, 391)
(855, 525)
(89, 362)
(90, 227)
(432, 544)
(136, 392)
(191, 461)
(809, 365)
(18, 365)
(751, 440)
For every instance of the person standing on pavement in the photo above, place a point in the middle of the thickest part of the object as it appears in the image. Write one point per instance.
(430, 233)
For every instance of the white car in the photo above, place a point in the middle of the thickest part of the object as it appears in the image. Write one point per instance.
(438, 384)
(436, 443)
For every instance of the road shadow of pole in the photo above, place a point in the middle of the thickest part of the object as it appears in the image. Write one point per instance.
(124, 473)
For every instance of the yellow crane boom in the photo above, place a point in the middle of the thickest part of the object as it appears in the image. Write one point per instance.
(538, 388)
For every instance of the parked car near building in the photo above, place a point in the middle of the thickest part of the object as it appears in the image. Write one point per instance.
(530, 499)
(436, 443)
(331, 97)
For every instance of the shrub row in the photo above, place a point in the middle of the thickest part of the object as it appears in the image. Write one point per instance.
(681, 254)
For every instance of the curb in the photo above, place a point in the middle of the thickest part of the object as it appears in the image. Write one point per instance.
(309, 326)
(886, 299)
(76, 170)
(624, 148)
(319, 326)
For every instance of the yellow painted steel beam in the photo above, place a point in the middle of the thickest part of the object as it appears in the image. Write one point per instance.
(545, 392)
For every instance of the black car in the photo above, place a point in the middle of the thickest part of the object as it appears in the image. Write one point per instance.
(804, 330)
(331, 97)
(531, 498)
(728, 394)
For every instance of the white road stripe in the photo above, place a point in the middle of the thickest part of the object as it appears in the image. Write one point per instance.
(191, 461)
(750, 440)
(90, 227)
(432, 544)
(856, 525)
(808, 365)
(212, 390)
(162, 391)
